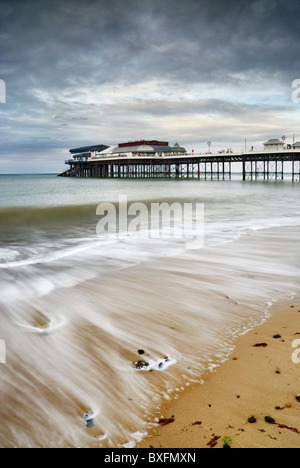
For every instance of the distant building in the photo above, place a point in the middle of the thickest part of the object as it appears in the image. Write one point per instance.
(140, 148)
(129, 149)
(274, 145)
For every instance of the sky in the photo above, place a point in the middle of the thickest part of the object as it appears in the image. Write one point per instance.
(87, 72)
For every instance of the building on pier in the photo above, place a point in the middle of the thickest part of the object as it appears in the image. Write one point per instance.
(141, 148)
(130, 149)
(84, 153)
(274, 145)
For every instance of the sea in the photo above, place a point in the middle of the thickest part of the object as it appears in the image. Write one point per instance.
(101, 324)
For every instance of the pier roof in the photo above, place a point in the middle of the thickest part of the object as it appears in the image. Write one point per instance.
(87, 149)
(274, 141)
(148, 147)
(144, 142)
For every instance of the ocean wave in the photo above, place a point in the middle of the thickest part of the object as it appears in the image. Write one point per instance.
(25, 217)
(50, 256)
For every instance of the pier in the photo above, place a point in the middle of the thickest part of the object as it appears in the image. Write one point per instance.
(253, 165)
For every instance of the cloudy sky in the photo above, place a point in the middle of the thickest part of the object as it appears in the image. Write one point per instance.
(81, 72)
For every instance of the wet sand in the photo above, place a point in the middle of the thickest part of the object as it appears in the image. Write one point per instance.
(256, 382)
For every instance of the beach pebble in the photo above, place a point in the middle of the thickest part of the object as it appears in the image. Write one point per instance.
(270, 420)
(166, 421)
(141, 351)
(277, 336)
(141, 365)
(298, 397)
(252, 420)
(151, 365)
(89, 420)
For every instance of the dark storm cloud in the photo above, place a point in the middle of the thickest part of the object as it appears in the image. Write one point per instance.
(57, 43)
(56, 54)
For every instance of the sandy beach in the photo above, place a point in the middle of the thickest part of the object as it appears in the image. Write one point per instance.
(259, 381)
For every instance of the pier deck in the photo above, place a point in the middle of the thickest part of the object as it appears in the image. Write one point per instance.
(254, 165)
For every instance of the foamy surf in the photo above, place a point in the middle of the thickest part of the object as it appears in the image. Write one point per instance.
(149, 365)
(45, 328)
